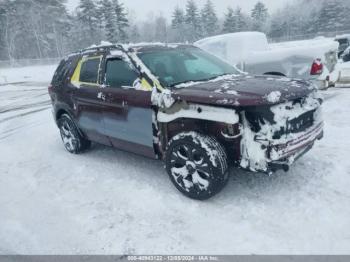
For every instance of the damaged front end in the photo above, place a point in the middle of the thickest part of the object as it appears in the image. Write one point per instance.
(274, 137)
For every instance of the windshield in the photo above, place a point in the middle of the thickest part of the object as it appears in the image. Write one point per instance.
(180, 65)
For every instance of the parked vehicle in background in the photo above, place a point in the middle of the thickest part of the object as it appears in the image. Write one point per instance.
(186, 107)
(251, 52)
(341, 74)
(344, 43)
(346, 55)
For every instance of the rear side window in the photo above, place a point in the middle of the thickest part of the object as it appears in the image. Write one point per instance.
(120, 73)
(89, 70)
(57, 78)
(63, 70)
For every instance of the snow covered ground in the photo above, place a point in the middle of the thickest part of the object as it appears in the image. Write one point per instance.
(32, 74)
(109, 202)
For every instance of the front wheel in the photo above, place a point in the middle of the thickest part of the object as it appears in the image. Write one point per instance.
(72, 140)
(197, 165)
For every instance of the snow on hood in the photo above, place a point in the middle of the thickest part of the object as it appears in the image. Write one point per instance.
(247, 90)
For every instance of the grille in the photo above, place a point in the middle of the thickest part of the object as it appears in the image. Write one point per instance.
(263, 115)
(297, 125)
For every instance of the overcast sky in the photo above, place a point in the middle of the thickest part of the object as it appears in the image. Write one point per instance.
(143, 7)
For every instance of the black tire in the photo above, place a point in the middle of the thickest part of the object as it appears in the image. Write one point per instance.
(72, 140)
(197, 165)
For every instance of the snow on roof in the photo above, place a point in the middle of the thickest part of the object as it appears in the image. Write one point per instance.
(135, 46)
(234, 47)
(142, 45)
(239, 35)
(102, 44)
(253, 48)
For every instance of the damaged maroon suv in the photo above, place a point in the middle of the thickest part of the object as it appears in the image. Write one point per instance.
(186, 107)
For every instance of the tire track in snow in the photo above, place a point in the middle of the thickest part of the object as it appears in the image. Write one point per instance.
(19, 100)
(9, 132)
(25, 106)
(24, 114)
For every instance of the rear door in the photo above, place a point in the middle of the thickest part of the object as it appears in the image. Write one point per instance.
(89, 103)
(127, 111)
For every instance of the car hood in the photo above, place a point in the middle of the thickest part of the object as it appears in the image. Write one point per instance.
(244, 90)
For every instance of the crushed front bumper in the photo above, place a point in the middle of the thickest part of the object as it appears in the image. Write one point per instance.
(282, 155)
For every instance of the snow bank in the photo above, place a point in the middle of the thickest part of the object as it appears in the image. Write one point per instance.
(27, 74)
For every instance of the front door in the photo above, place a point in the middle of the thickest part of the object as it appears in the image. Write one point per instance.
(127, 112)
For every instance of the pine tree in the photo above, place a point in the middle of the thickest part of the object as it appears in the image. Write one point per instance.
(178, 25)
(108, 20)
(5, 52)
(161, 29)
(278, 25)
(87, 16)
(33, 29)
(331, 17)
(311, 27)
(122, 22)
(295, 19)
(134, 34)
(209, 19)
(345, 14)
(55, 31)
(2, 30)
(192, 20)
(178, 18)
(240, 20)
(229, 22)
(259, 15)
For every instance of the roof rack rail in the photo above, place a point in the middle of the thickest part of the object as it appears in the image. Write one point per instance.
(103, 47)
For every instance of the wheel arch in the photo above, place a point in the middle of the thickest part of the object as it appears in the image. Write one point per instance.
(64, 111)
(168, 130)
(275, 73)
(60, 113)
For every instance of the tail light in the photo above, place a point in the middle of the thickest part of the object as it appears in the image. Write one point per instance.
(317, 67)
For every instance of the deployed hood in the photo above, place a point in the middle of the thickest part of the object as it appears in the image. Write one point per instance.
(233, 90)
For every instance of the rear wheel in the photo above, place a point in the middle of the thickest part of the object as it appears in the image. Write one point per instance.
(197, 165)
(72, 140)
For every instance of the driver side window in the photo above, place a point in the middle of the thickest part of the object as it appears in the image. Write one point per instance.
(120, 73)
